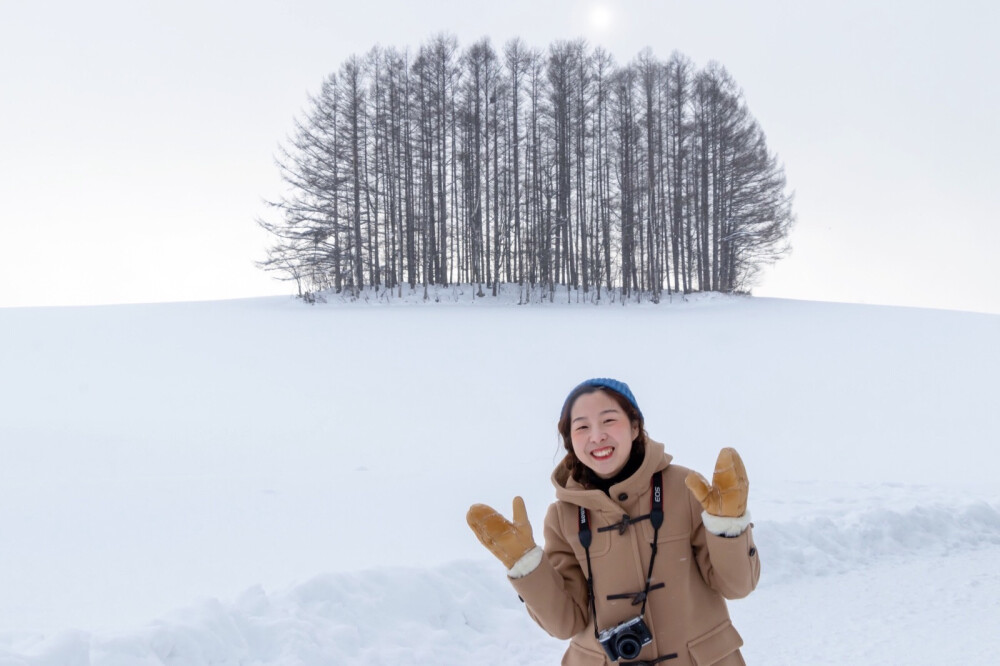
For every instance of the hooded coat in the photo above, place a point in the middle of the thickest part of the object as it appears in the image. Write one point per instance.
(699, 570)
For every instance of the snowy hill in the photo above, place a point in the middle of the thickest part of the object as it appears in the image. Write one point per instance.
(264, 482)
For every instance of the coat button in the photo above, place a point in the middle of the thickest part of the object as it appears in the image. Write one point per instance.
(753, 551)
(622, 497)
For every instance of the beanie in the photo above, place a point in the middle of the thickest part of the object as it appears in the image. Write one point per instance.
(607, 382)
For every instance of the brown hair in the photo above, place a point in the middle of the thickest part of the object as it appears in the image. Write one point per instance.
(577, 469)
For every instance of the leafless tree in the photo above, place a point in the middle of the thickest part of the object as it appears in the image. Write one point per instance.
(542, 169)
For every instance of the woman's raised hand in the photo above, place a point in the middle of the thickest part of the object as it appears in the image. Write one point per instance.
(727, 496)
(509, 541)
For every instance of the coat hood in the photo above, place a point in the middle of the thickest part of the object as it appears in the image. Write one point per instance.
(570, 490)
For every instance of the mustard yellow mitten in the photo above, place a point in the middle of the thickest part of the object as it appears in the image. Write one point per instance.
(727, 496)
(509, 541)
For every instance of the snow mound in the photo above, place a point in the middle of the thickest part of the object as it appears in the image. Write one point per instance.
(157, 455)
(459, 614)
(465, 612)
(825, 545)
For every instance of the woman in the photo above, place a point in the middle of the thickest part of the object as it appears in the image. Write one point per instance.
(640, 554)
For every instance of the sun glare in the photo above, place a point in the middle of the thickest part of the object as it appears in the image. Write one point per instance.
(600, 17)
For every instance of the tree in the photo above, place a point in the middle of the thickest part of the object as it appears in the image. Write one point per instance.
(562, 168)
(308, 247)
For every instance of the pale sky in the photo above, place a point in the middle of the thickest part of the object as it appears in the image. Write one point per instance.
(137, 138)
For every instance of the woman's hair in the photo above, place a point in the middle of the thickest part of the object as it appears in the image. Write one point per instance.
(577, 469)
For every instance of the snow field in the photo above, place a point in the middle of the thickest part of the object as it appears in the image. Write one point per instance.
(293, 480)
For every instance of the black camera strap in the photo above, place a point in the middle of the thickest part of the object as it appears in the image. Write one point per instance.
(585, 535)
(655, 516)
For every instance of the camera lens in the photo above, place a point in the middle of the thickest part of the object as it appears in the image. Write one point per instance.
(629, 647)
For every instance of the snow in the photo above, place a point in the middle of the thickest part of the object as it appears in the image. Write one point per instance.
(267, 482)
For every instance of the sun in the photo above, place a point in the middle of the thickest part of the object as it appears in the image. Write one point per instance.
(601, 17)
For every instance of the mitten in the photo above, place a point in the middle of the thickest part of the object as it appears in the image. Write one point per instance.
(509, 541)
(727, 496)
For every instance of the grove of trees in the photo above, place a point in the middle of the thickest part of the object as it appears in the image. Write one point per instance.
(521, 166)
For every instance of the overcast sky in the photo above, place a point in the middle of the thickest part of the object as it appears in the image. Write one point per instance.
(137, 138)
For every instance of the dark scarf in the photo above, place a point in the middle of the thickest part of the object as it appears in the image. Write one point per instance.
(635, 459)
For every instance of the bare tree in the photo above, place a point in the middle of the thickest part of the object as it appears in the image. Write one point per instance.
(542, 170)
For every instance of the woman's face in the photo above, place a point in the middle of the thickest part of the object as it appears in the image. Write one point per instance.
(601, 433)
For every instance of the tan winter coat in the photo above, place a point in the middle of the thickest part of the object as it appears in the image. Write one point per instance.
(700, 570)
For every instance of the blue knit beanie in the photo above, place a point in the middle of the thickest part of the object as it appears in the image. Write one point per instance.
(607, 382)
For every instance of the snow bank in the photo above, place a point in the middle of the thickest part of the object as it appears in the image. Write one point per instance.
(460, 614)
(823, 545)
(465, 612)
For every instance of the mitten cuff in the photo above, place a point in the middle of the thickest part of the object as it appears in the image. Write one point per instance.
(528, 563)
(724, 525)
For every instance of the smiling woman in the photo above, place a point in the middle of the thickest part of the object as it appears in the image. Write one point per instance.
(657, 594)
(602, 433)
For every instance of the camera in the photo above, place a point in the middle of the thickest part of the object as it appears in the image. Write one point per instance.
(625, 641)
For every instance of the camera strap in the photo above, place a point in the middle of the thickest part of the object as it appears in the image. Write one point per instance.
(585, 536)
(655, 517)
